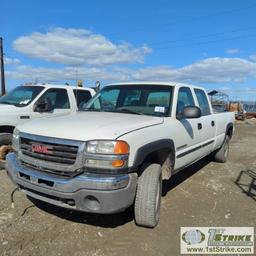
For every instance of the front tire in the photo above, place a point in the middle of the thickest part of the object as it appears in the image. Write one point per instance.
(222, 154)
(148, 197)
(5, 139)
(5, 147)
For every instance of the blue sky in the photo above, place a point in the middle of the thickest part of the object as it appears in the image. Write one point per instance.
(210, 43)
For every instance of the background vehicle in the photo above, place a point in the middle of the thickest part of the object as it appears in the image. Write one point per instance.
(119, 148)
(33, 101)
(238, 109)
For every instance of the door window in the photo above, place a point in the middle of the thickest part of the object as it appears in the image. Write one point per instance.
(82, 97)
(203, 102)
(185, 98)
(58, 98)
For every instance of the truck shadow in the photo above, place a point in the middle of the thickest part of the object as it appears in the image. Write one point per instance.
(101, 220)
(246, 181)
(118, 219)
(184, 174)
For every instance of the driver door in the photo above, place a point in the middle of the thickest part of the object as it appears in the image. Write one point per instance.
(188, 131)
(59, 100)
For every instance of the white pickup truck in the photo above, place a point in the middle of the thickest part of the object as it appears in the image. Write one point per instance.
(118, 148)
(36, 101)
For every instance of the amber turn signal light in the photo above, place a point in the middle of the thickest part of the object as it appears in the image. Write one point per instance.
(118, 163)
(121, 148)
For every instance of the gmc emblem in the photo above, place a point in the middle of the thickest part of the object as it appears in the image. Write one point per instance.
(38, 148)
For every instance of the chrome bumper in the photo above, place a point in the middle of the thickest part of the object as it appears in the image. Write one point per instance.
(91, 193)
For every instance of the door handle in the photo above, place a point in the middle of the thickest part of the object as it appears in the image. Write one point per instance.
(199, 126)
(213, 123)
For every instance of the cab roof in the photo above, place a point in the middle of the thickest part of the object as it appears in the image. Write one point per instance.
(48, 85)
(171, 83)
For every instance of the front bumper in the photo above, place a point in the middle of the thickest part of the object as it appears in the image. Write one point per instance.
(89, 193)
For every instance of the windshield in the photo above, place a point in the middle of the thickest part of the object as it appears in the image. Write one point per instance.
(152, 100)
(21, 96)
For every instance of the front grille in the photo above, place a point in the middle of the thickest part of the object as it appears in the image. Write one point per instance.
(51, 152)
(54, 173)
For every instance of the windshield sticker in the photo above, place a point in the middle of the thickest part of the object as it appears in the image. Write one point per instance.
(24, 101)
(159, 109)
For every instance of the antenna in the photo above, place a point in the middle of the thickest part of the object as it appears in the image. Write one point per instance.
(76, 73)
(2, 67)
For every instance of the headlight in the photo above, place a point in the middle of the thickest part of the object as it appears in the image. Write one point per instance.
(107, 147)
(16, 139)
(107, 154)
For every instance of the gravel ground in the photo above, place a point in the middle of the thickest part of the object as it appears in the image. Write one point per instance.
(205, 194)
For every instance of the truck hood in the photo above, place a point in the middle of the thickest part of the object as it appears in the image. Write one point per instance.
(6, 110)
(85, 126)
(10, 114)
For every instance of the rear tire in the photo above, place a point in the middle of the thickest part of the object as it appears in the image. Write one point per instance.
(148, 197)
(222, 154)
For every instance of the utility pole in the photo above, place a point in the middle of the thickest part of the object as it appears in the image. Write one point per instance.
(2, 66)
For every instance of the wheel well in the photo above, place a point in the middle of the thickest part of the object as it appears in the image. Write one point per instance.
(160, 152)
(157, 157)
(230, 131)
(6, 128)
(164, 157)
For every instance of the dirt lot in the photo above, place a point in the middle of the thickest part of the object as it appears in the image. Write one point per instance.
(204, 194)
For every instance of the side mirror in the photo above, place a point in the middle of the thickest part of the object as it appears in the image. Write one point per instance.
(191, 112)
(43, 106)
(97, 86)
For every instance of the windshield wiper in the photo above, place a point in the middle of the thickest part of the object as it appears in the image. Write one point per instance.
(121, 110)
(126, 110)
(90, 109)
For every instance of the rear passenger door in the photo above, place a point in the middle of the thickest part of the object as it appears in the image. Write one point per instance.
(207, 120)
(82, 97)
(188, 136)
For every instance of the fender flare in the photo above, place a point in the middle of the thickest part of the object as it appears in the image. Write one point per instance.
(152, 147)
(229, 125)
